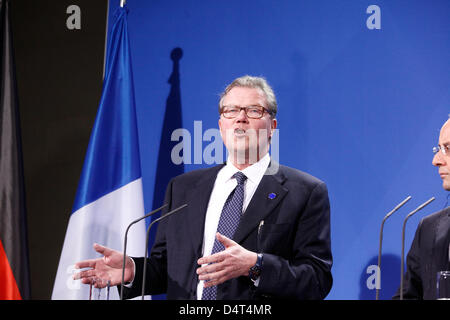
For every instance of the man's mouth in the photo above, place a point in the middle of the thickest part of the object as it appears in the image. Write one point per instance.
(239, 132)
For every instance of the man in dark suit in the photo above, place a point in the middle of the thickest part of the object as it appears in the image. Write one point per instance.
(429, 251)
(279, 247)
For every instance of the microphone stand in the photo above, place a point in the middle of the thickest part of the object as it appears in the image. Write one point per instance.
(125, 245)
(403, 242)
(378, 281)
(144, 273)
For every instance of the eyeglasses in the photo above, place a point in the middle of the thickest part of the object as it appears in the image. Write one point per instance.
(252, 112)
(445, 149)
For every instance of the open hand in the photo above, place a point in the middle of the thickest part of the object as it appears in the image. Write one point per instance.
(233, 262)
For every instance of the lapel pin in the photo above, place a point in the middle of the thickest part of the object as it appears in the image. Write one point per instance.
(272, 196)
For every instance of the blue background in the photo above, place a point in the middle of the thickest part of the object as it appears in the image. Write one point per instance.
(360, 109)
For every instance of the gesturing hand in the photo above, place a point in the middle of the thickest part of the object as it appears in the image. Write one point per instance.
(109, 267)
(233, 262)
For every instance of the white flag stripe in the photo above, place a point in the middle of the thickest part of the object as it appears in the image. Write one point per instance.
(103, 221)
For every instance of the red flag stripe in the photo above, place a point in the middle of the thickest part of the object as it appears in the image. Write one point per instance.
(8, 286)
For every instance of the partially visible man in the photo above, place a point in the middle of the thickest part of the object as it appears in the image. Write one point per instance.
(429, 251)
(248, 232)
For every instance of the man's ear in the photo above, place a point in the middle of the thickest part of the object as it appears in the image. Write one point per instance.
(273, 126)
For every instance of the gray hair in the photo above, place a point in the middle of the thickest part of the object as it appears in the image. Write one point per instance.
(257, 83)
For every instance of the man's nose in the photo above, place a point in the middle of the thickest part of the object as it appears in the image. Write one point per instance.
(242, 116)
(438, 159)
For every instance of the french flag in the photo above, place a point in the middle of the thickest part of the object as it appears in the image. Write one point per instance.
(109, 194)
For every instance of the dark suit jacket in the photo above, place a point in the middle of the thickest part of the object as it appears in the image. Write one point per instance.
(427, 256)
(295, 239)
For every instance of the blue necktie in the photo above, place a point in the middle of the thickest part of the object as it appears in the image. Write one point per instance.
(229, 220)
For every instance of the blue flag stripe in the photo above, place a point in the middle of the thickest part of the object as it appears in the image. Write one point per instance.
(112, 158)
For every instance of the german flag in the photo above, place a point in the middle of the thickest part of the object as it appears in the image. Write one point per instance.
(14, 270)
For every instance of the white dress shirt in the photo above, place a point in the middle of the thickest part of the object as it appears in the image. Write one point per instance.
(223, 186)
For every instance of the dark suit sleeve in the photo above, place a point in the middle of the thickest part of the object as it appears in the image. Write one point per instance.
(307, 274)
(412, 283)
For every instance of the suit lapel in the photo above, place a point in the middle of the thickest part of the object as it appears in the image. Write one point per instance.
(197, 198)
(269, 193)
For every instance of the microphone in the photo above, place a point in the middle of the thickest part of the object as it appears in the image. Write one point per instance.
(144, 273)
(423, 205)
(125, 245)
(378, 281)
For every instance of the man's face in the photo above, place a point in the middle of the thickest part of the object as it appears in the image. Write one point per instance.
(246, 139)
(443, 161)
